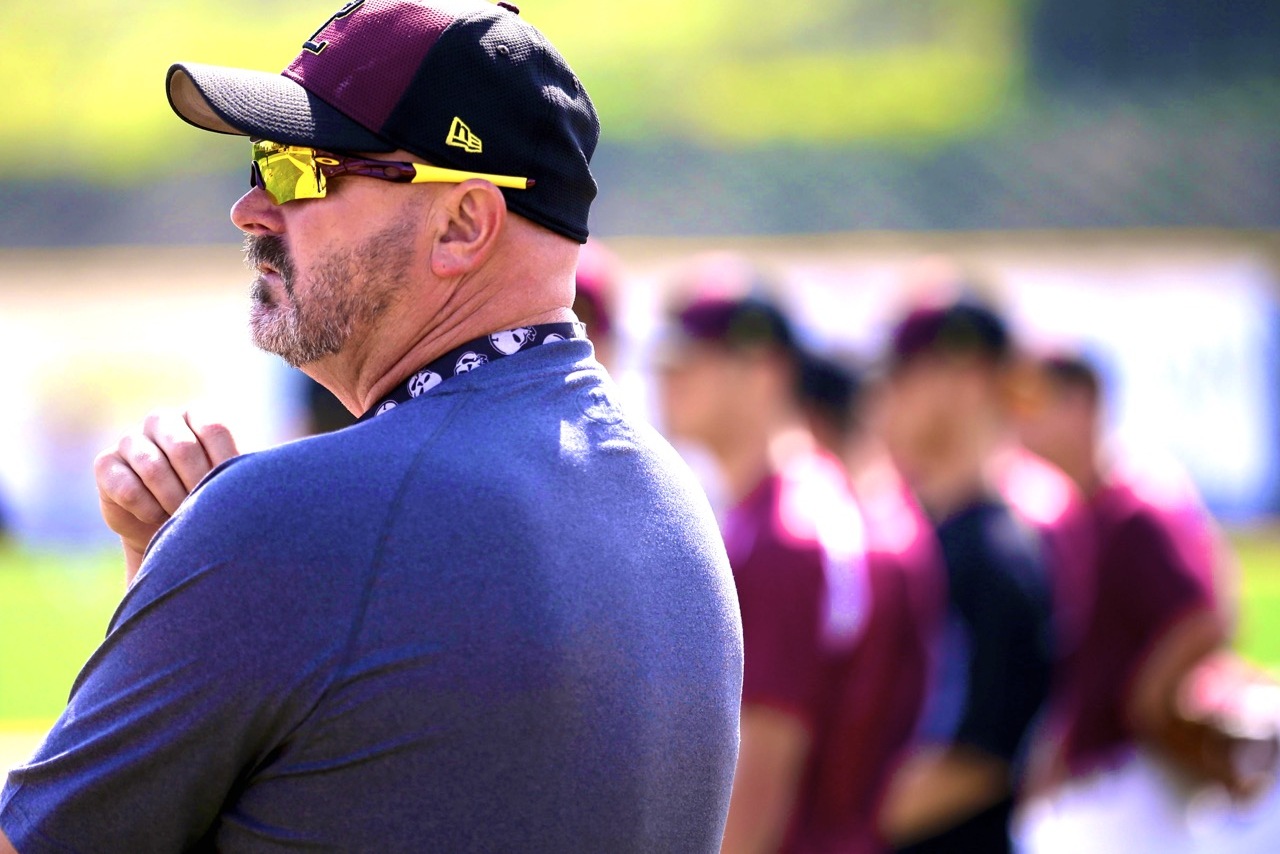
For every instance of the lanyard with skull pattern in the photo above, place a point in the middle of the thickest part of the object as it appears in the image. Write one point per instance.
(472, 355)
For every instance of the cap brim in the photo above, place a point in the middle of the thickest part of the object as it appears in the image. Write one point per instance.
(262, 105)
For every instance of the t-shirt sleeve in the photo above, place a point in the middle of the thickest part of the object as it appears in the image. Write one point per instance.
(779, 591)
(1152, 577)
(206, 665)
(1005, 608)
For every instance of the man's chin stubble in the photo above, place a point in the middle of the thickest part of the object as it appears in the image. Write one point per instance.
(340, 299)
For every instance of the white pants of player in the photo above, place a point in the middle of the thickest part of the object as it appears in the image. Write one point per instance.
(1146, 807)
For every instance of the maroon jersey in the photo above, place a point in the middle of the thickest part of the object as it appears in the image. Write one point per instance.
(1041, 495)
(1044, 497)
(839, 609)
(1156, 562)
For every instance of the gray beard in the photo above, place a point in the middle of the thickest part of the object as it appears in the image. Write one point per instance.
(348, 291)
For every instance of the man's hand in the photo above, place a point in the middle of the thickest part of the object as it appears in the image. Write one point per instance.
(1203, 707)
(143, 479)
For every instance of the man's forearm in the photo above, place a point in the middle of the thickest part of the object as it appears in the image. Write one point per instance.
(132, 563)
(939, 787)
(772, 754)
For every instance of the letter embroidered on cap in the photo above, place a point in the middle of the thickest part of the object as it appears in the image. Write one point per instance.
(460, 136)
(313, 46)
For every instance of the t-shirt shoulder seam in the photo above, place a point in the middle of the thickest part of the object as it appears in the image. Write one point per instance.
(375, 562)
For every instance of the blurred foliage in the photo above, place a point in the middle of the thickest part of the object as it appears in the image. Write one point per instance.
(87, 93)
(822, 70)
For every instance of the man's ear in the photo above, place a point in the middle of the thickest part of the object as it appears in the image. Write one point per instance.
(475, 213)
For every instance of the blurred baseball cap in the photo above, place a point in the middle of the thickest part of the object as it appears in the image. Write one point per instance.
(1048, 372)
(967, 326)
(464, 84)
(1071, 367)
(741, 322)
(724, 299)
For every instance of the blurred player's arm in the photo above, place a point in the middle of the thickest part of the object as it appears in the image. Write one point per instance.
(1188, 702)
(147, 475)
(6, 847)
(779, 593)
(1187, 651)
(770, 759)
(936, 786)
(1009, 663)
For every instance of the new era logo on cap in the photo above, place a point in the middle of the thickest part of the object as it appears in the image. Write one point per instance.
(460, 136)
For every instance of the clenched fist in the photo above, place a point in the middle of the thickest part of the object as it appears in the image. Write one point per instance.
(143, 479)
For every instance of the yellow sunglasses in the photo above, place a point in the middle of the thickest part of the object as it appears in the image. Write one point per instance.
(288, 172)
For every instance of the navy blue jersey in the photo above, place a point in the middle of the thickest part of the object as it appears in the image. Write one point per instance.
(496, 618)
(997, 656)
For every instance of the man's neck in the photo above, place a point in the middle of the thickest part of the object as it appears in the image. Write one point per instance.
(437, 343)
(370, 369)
(1088, 471)
(528, 279)
(950, 487)
(955, 479)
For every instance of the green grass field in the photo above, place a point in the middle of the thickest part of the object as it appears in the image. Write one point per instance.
(1259, 631)
(54, 610)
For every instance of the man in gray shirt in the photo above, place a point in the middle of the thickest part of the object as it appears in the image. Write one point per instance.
(494, 615)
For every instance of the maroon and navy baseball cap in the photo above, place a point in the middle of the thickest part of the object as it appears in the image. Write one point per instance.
(737, 322)
(723, 298)
(739, 325)
(464, 84)
(967, 326)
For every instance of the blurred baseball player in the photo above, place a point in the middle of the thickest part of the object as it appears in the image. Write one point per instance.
(944, 423)
(837, 627)
(1162, 708)
(494, 615)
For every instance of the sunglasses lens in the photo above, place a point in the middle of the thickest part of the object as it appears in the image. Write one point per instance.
(287, 172)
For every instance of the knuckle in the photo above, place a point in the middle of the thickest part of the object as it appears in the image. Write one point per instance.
(153, 420)
(165, 425)
(105, 462)
(186, 453)
(134, 497)
(148, 465)
(131, 444)
(129, 494)
(214, 430)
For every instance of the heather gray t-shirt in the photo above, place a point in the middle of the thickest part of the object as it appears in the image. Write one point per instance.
(496, 618)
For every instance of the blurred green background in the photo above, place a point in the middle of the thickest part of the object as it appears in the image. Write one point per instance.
(715, 72)
(719, 117)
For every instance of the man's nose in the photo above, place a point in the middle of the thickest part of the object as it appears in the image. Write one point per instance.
(254, 213)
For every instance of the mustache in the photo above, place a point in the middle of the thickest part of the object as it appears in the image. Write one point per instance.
(268, 250)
